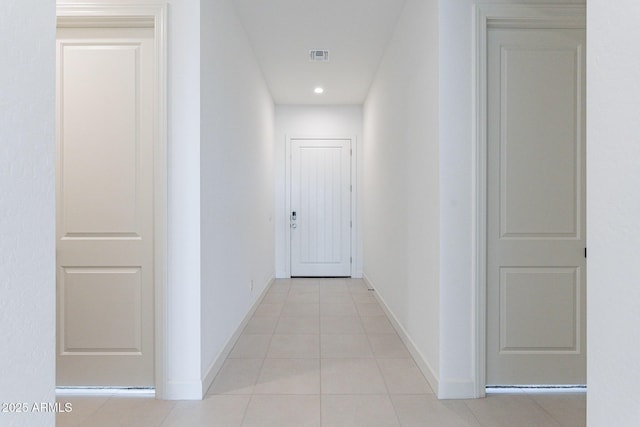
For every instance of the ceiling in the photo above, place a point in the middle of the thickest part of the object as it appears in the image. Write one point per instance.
(282, 32)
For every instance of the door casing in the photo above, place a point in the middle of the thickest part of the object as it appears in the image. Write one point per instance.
(96, 14)
(485, 17)
(354, 196)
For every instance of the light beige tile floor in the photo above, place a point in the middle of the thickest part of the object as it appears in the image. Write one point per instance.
(321, 352)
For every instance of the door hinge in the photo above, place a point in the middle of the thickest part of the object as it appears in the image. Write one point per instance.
(351, 188)
(350, 260)
(351, 224)
(351, 151)
(585, 252)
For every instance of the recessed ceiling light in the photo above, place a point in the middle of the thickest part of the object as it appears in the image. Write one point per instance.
(318, 90)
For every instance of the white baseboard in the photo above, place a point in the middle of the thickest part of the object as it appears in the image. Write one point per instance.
(217, 363)
(424, 366)
(455, 389)
(183, 390)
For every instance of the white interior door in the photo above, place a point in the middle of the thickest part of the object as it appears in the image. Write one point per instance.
(320, 216)
(104, 174)
(536, 207)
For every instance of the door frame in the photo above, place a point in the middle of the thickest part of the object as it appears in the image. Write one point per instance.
(490, 16)
(127, 14)
(354, 196)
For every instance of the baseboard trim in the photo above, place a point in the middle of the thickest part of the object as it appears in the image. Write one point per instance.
(454, 389)
(217, 363)
(183, 390)
(424, 366)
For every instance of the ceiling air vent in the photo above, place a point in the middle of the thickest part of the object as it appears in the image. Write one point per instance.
(318, 55)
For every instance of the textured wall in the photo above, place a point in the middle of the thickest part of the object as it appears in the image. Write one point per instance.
(27, 248)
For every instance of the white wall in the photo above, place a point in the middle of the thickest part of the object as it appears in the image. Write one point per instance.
(183, 345)
(27, 208)
(456, 203)
(613, 210)
(314, 121)
(237, 181)
(401, 181)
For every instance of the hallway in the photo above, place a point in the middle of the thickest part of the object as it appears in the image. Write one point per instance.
(322, 352)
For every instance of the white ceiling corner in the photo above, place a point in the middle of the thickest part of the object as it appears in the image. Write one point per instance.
(282, 32)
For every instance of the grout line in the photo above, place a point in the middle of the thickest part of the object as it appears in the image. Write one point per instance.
(473, 414)
(246, 409)
(166, 417)
(535, 402)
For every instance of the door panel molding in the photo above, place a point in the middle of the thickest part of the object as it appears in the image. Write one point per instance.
(489, 16)
(354, 194)
(133, 13)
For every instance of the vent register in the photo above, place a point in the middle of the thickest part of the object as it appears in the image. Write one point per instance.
(318, 55)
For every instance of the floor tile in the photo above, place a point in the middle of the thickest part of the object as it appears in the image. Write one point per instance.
(351, 376)
(283, 411)
(569, 409)
(343, 345)
(402, 376)
(294, 346)
(81, 408)
(237, 376)
(268, 309)
(130, 411)
(358, 410)
(298, 325)
(275, 297)
(427, 410)
(280, 285)
(212, 411)
(251, 346)
(504, 410)
(289, 376)
(333, 298)
(357, 286)
(341, 325)
(261, 325)
(364, 297)
(300, 309)
(301, 296)
(369, 309)
(377, 325)
(333, 288)
(388, 346)
(305, 285)
(338, 309)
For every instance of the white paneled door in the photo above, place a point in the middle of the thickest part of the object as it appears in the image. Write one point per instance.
(536, 274)
(105, 221)
(320, 217)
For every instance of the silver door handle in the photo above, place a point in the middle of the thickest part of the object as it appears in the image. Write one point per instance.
(294, 226)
